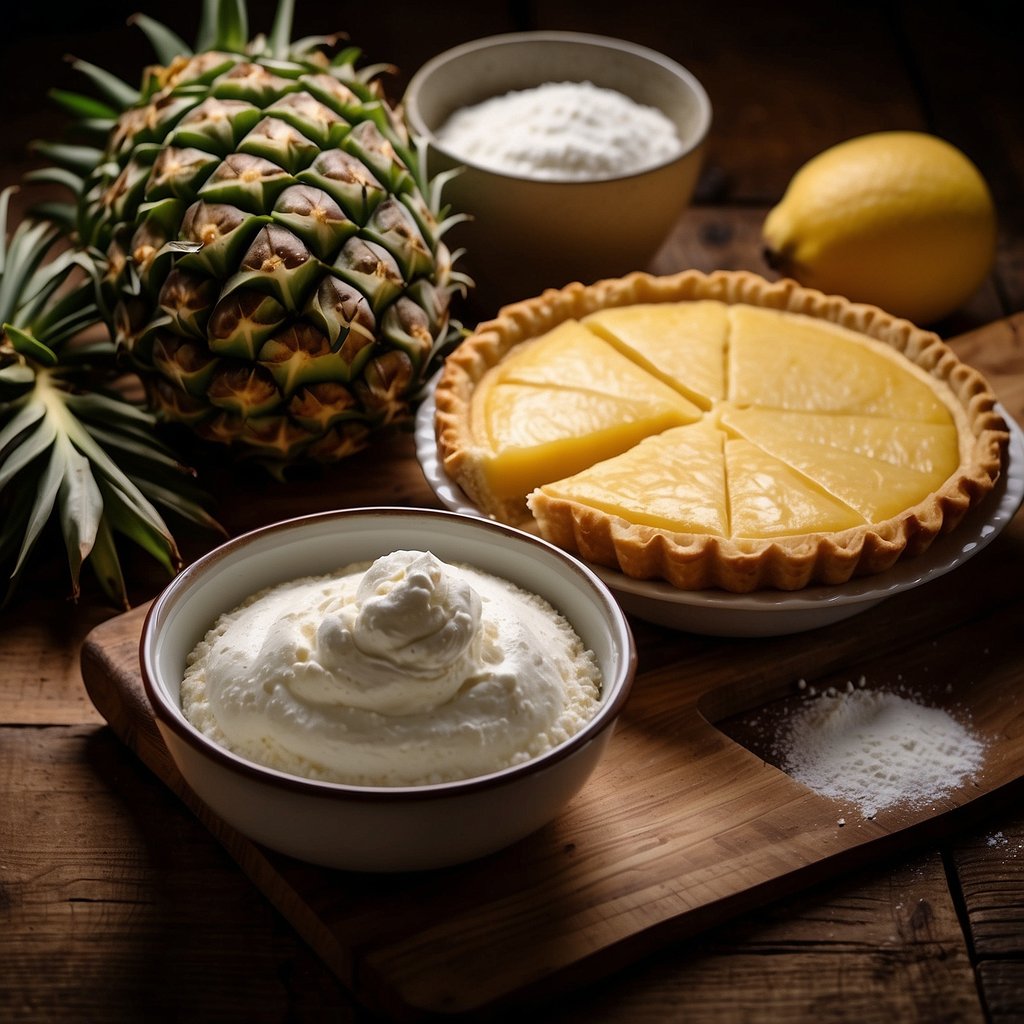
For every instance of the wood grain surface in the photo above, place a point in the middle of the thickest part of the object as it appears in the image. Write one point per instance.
(680, 829)
(686, 824)
(115, 902)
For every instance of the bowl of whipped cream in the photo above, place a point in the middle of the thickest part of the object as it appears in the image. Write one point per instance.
(571, 155)
(386, 689)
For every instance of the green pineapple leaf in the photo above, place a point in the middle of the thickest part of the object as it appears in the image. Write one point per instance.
(23, 342)
(80, 160)
(73, 450)
(118, 94)
(87, 107)
(166, 44)
(281, 33)
(230, 26)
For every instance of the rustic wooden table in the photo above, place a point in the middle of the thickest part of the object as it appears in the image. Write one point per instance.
(118, 905)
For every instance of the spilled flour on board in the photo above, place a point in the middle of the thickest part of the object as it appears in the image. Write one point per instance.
(1009, 845)
(876, 749)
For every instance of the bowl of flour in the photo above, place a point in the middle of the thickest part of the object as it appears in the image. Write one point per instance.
(575, 155)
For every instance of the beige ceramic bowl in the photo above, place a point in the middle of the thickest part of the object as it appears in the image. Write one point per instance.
(528, 234)
(369, 828)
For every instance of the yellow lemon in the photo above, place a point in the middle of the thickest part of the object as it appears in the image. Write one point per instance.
(901, 220)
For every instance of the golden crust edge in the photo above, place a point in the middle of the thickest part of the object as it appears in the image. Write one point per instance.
(701, 562)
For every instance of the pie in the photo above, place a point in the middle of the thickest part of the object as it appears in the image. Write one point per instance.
(718, 431)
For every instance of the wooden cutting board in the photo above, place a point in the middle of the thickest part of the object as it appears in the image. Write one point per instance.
(685, 823)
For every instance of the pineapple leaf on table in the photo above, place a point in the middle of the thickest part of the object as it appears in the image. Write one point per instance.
(268, 245)
(73, 450)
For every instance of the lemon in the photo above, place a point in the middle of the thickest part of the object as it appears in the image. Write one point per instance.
(902, 220)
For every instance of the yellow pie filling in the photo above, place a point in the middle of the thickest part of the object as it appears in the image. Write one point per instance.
(561, 402)
(718, 431)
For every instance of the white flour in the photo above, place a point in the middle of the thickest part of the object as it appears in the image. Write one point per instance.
(876, 750)
(561, 131)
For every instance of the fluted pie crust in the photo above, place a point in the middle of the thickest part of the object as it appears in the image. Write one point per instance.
(660, 405)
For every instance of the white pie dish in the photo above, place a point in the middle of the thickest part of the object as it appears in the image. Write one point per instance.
(369, 828)
(773, 613)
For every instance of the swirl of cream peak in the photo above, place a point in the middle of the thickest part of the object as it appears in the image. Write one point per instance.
(414, 613)
(404, 646)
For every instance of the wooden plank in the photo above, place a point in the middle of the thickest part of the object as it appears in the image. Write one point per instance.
(39, 643)
(990, 872)
(104, 920)
(880, 945)
(677, 830)
(1003, 985)
(800, 988)
(709, 238)
(117, 907)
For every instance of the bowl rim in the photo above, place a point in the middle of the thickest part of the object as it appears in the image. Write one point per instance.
(172, 717)
(421, 129)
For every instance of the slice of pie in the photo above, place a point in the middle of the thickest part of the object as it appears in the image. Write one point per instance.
(558, 404)
(930, 447)
(782, 360)
(718, 431)
(681, 343)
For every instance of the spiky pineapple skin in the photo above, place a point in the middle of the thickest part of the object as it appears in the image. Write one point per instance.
(273, 266)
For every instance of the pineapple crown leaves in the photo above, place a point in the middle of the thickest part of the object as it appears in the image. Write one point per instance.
(71, 448)
(223, 30)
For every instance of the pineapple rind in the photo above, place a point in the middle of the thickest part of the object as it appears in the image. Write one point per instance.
(272, 174)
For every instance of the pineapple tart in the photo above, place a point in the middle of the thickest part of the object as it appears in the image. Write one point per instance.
(718, 431)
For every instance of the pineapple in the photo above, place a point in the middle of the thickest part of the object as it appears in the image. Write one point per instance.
(73, 449)
(270, 251)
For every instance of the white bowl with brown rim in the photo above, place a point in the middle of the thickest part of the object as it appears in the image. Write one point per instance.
(370, 828)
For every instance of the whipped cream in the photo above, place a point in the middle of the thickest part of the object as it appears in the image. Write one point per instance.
(403, 671)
